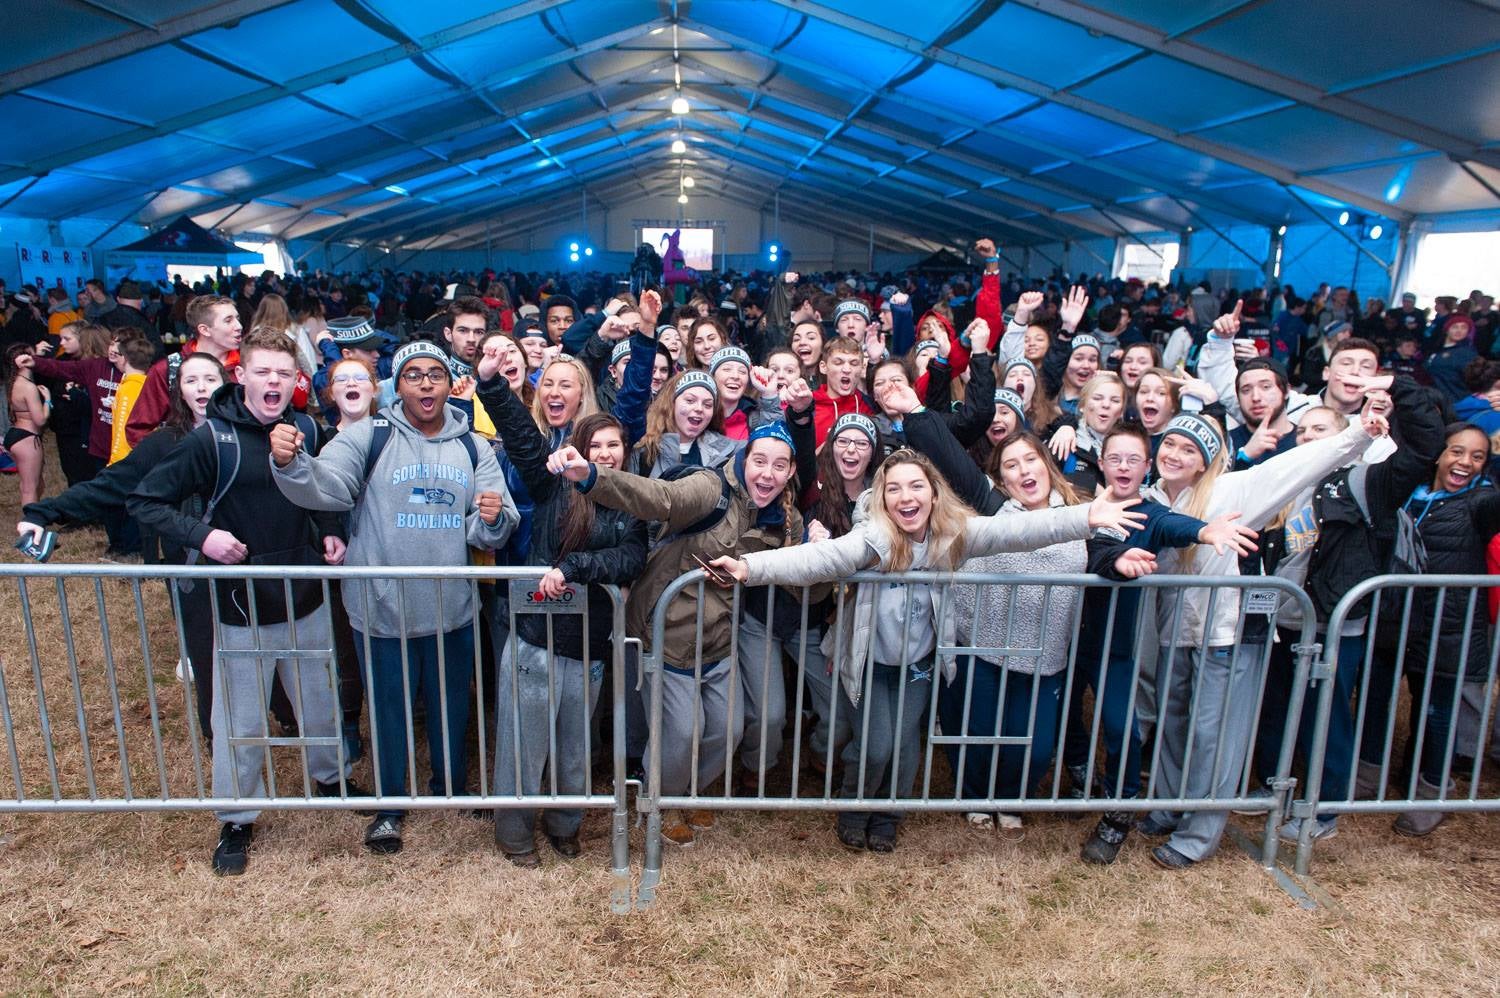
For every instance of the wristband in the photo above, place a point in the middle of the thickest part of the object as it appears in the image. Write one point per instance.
(1241, 455)
(992, 259)
(920, 408)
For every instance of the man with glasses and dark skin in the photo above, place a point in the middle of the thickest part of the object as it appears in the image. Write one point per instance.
(432, 490)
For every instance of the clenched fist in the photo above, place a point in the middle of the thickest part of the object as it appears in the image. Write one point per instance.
(286, 440)
(489, 505)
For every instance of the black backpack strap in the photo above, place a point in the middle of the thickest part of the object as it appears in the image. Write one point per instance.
(468, 441)
(710, 519)
(227, 459)
(309, 428)
(380, 435)
(226, 444)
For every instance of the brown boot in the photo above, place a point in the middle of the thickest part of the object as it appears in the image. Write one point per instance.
(700, 819)
(676, 830)
(1367, 782)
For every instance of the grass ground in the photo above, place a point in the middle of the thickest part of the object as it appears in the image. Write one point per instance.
(763, 904)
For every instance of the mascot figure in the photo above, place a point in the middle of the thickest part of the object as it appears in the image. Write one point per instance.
(677, 276)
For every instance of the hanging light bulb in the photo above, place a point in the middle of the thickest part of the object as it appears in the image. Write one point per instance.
(688, 181)
(678, 147)
(682, 199)
(680, 105)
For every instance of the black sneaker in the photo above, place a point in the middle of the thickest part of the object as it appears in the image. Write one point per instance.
(525, 860)
(1109, 834)
(383, 835)
(350, 789)
(853, 839)
(882, 841)
(565, 846)
(233, 852)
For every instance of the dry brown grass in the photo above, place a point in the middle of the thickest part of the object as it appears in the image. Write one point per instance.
(764, 903)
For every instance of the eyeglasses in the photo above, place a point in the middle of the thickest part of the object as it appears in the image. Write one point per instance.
(433, 375)
(857, 444)
(1124, 460)
(356, 377)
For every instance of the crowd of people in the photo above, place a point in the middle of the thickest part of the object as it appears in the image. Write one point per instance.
(782, 432)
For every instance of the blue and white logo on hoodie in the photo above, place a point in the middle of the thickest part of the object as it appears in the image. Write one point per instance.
(431, 497)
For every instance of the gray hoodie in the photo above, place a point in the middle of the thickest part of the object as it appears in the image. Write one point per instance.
(418, 508)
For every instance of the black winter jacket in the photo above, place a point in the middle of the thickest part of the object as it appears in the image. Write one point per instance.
(92, 500)
(275, 531)
(1455, 528)
(613, 554)
(1355, 507)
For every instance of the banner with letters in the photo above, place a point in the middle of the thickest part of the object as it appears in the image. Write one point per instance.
(54, 266)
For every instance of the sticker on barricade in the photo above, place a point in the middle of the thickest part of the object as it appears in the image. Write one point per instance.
(526, 597)
(1261, 601)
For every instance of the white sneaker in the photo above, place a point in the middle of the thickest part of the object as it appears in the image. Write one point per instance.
(980, 821)
(1011, 828)
(184, 670)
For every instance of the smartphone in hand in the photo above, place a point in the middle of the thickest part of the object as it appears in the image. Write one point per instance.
(38, 550)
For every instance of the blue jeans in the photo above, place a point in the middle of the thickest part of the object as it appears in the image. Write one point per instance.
(1113, 685)
(1000, 704)
(1338, 758)
(388, 708)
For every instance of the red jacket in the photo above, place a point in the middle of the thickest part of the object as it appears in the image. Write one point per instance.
(827, 410)
(986, 307)
(151, 408)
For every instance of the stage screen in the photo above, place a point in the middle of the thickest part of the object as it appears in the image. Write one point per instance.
(697, 245)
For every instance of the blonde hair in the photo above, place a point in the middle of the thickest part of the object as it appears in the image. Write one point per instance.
(272, 314)
(587, 404)
(945, 526)
(1203, 488)
(1092, 385)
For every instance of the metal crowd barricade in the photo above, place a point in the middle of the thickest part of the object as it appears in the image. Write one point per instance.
(718, 789)
(133, 741)
(1388, 647)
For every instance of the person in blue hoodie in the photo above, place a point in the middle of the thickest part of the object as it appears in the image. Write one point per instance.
(421, 494)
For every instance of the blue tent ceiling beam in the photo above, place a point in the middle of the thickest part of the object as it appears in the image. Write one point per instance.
(1039, 121)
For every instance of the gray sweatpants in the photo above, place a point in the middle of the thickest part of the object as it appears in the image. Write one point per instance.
(687, 702)
(1198, 692)
(763, 690)
(890, 744)
(561, 713)
(242, 691)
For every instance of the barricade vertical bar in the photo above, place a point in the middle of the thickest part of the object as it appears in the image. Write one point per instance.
(149, 670)
(1458, 693)
(334, 668)
(1164, 684)
(943, 603)
(440, 640)
(297, 704)
(10, 735)
(730, 742)
(514, 638)
(370, 709)
(221, 690)
(796, 709)
(587, 683)
(261, 687)
(476, 630)
(765, 678)
(114, 689)
(1485, 716)
(189, 673)
(406, 705)
(620, 899)
(80, 716)
(548, 621)
(1419, 737)
(902, 682)
(1366, 684)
